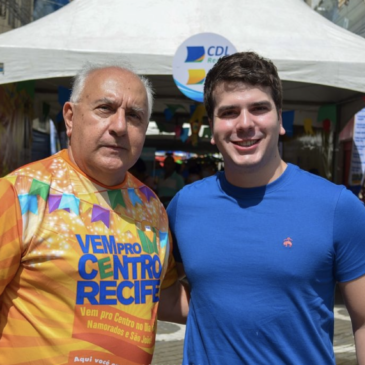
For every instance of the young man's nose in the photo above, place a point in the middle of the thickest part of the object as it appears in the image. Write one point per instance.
(245, 120)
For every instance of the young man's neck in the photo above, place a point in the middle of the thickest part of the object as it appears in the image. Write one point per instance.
(251, 177)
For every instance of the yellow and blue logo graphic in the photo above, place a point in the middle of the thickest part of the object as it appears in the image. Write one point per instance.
(196, 77)
(195, 54)
(194, 58)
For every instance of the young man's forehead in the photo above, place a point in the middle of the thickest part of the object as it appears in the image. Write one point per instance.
(223, 90)
(230, 86)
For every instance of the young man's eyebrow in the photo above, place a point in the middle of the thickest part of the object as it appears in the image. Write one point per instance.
(233, 106)
(261, 103)
(226, 107)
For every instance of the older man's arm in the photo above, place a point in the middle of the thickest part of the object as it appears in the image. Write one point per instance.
(174, 300)
(353, 293)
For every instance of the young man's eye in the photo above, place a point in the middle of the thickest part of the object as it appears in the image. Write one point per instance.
(228, 114)
(260, 109)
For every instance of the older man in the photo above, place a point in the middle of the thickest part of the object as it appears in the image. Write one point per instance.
(83, 244)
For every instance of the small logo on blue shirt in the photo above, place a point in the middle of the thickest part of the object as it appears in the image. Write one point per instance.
(288, 242)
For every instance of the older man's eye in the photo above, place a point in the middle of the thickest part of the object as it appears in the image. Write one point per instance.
(104, 107)
(135, 116)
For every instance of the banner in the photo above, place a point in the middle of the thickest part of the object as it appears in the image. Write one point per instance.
(357, 166)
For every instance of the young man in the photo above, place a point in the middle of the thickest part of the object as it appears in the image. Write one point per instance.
(264, 243)
(83, 244)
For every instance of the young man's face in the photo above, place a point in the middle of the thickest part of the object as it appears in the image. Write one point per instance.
(246, 127)
(107, 126)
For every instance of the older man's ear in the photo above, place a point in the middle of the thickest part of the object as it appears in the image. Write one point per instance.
(68, 117)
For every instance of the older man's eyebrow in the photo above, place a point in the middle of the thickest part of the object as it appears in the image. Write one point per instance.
(109, 101)
(103, 100)
(137, 109)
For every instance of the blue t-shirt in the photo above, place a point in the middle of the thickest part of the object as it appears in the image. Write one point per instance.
(262, 264)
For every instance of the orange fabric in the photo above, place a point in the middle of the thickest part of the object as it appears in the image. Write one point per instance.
(81, 266)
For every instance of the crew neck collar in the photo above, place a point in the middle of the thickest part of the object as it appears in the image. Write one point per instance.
(281, 181)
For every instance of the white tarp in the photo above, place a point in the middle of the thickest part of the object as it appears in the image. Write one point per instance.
(146, 33)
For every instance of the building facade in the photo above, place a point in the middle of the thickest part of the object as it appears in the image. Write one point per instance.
(348, 14)
(15, 13)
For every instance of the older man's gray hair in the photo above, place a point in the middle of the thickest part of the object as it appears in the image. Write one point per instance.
(88, 68)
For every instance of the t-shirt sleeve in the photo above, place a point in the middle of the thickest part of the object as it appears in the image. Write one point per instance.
(10, 233)
(349, 237)
(171, 273)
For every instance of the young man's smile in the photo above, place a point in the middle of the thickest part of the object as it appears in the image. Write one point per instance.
(246, 128)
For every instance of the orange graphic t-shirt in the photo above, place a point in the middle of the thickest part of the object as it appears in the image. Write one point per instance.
(81, 267)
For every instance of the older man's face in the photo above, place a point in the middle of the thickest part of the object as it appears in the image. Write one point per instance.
(107, 126)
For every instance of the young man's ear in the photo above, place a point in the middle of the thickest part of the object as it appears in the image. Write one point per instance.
(212, 141)
(68, 113)
(282, 130)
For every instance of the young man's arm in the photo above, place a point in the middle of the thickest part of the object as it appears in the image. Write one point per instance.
(174, 300)
(174, 303)
(353, 293)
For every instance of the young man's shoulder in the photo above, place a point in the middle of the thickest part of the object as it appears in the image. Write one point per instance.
(315, 181)
(316, 188)
(192, 194)
(205, 185)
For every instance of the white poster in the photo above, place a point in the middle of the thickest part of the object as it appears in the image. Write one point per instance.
(357, 168)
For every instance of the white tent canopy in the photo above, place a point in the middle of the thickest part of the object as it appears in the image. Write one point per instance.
(305, 46)
(308, 50)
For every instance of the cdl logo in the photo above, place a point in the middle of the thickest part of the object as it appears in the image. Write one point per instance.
(217, 51)
(194, 58)
(197, 53)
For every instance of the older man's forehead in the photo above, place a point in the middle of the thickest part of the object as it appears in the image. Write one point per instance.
(112, 82)
(112, 74)
(110, 69)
